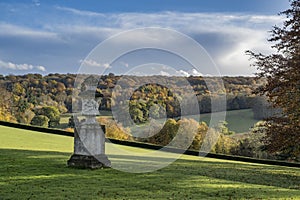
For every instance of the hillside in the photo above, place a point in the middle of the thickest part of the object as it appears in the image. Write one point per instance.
(33, 166)
(25, 96)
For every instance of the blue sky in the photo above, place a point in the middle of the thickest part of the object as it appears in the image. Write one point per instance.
(56, 36)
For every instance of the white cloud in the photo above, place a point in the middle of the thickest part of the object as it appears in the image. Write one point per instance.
(41, 68)
(22, 67)
(265, 18)
(181, 72)
(13, 30)
(192, 72)
(79, 12)
(228, 35)
(93, 63)
(163, 73)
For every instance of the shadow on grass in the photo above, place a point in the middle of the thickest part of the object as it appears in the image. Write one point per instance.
(34, 174)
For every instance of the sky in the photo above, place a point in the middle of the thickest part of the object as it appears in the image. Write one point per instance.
(39, 36)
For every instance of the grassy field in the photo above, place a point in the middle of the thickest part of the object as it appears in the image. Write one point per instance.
(239, 121)
(33, 166)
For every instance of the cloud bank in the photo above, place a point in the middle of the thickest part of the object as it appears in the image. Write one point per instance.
(21, 67)
(59, 41)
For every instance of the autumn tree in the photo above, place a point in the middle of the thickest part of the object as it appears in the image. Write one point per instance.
(5, 111)
(282, 73)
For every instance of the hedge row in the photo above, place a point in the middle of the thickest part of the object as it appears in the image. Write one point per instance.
(37, 128)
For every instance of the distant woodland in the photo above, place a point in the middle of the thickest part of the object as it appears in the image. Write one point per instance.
(31, 95)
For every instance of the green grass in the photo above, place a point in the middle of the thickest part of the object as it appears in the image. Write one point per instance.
(239, 121)
(64, 121)
(33, 166)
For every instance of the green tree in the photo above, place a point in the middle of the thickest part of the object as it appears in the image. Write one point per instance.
(251, 144)
(281, 71)
(52, 113)
(40, 120)
(137, 115)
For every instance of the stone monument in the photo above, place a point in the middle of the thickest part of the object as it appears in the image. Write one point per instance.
(89, 136)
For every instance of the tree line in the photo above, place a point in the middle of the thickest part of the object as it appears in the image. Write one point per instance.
(26, 95)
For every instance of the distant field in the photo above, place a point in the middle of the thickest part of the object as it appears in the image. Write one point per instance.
(239, 121)
(33, 166)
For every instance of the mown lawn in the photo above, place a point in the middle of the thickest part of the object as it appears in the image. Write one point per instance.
(239, 121)
(33, 166)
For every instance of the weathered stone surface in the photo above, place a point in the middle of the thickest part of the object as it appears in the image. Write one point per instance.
(89, 107)
(89, 147)
(89, 139)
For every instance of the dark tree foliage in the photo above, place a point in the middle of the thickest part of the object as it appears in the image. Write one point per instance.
(40, 120)
(282, 73)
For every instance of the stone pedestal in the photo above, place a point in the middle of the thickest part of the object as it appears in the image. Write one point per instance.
(89, 147)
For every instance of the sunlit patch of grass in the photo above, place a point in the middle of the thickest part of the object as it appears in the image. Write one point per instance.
(12, 138)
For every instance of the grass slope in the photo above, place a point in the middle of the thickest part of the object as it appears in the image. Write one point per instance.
(33, 166)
